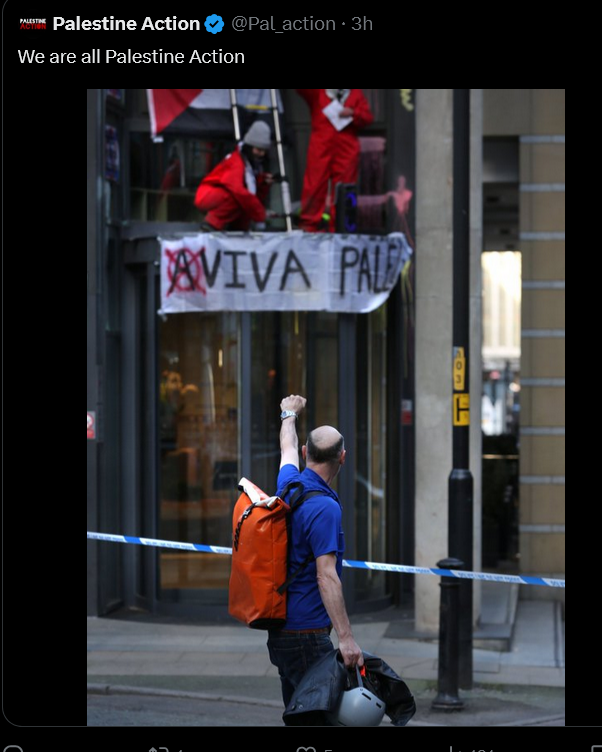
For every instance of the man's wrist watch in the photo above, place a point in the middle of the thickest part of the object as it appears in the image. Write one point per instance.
(288, 414)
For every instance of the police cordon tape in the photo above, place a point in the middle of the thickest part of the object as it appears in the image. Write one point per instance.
(400, 568)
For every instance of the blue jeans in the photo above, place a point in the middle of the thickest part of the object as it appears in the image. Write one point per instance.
(293, 653)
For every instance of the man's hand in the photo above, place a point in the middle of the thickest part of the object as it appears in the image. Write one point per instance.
(351, 652)
(293, 402)
(289, 443)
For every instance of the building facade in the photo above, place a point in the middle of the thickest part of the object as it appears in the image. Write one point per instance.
(531, 122)
(184, 404)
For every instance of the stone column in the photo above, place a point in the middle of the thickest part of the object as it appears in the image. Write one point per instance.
(434, 314)
(434, 131)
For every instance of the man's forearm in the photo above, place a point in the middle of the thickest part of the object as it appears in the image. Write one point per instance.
(289, 443)
(331, 592)
(288, 435)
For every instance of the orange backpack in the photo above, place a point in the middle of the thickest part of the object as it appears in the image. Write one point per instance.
(258, 579)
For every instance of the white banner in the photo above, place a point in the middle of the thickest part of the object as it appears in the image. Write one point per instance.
(293, 271)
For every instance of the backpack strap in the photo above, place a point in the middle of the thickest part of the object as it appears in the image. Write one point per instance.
(294, 485)
(298, 498)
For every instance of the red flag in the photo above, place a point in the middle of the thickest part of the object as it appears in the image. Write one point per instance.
(205, 112)
(165, 105)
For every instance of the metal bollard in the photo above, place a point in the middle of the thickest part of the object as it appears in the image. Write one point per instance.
(449, 640)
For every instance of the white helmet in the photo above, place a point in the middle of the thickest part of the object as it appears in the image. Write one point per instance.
(358, 707)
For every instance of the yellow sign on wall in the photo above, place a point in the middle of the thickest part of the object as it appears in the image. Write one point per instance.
(459, 369)
(461, 409)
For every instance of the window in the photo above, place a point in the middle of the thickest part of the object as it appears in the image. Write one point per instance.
(371, 474)
(165, 175)
(199, 457)
(292, 353)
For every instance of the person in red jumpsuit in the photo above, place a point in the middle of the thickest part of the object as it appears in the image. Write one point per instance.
(333, 153)
(233, 194)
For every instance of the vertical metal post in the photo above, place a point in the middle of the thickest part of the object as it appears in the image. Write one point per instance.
(245, 403)
(460, 487)
(95, 129)
(234, 104)
(347, 420)
(151, 501)
(284, 187)
(449, 656)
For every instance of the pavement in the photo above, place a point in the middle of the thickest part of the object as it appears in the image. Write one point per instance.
(147, 670)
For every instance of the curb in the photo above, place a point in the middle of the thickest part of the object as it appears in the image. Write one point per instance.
(121, 689)
(539, 721)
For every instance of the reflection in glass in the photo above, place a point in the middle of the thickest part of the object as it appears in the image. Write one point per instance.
(198, 429)
(371, 478)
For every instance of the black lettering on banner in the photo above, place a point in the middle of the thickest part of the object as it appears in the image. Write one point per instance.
(364, 271)
(377, 271)
(235, 281)
(261, 283)
(290, 269)
(390, 276)
(181, 267)
(348, 249)
(211, 275)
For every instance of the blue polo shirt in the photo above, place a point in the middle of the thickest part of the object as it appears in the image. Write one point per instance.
(315, 529)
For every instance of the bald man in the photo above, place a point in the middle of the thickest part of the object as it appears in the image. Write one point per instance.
(315, 597)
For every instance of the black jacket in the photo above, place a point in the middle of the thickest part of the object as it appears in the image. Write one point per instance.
(321, 687)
